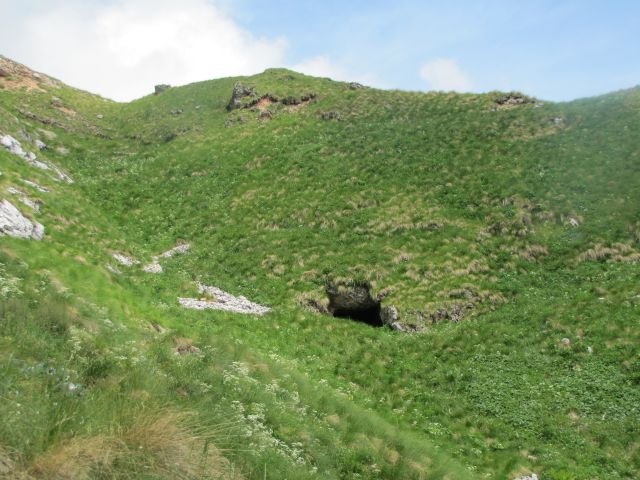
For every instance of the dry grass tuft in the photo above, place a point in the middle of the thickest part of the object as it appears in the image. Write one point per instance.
(532, 253)
(75, 459)
(164, 444)
(618, 252)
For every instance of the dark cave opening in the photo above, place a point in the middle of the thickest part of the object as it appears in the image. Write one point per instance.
(370, 315)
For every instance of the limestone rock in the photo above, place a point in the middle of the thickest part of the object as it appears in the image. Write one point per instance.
(114, 270)
(153, 267)
(14, 224)
(240, 91)
(350, 297)
(158, 89)
(33, 204)
(221, 300)
(330, 115)
(177, 250)
(124, 259)
(510, 100)
(13, 146)
(389, 315)
(39, 188)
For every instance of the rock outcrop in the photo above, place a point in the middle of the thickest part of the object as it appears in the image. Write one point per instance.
(33, 204)
(14, 76)
(14, 224)
(511, 100)
(13, 146)
(124, 259)
(240, 92)
(155, 267)
(354, 300)
(39, 188)
(163, 87)
(221, 300)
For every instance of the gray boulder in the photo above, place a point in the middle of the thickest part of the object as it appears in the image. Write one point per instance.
(240, 92)
(158, 89)
(14, 224)
(12, 146)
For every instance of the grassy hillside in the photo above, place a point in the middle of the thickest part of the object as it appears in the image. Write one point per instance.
(503, 230)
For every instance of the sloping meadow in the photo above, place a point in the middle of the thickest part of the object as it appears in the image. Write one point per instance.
(502, 230)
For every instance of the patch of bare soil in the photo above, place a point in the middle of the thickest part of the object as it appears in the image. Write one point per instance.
(15, 76)
(263, 103)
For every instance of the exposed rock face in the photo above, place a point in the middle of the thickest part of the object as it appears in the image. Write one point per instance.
(14, 224)
(158, 89)
(177, 250)
(240, 92)
(355, 86)
(222, 300)
(124, 259)
(33, 204)
(155, 267)
(389, 315)
(13, 146)
(114, 270)
(350, 297)
(39, 188)
(511, 100)
(331, 115)
(16, 75)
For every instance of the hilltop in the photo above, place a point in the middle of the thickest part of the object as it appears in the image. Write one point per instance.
(438, 285)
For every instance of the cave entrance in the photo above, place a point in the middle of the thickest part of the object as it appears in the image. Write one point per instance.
(354, 301)
(370, 316)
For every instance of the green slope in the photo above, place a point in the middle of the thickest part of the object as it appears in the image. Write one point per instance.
(507, 234)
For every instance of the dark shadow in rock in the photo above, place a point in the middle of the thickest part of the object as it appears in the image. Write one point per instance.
(354, 301)
(370, 316)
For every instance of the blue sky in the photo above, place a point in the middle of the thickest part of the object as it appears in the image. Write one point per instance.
(555, 50)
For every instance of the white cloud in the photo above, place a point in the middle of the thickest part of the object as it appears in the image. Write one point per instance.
(445, 74)
(122, 48)
(322, 66)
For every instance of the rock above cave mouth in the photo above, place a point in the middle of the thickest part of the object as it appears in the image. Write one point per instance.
(353, 300)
